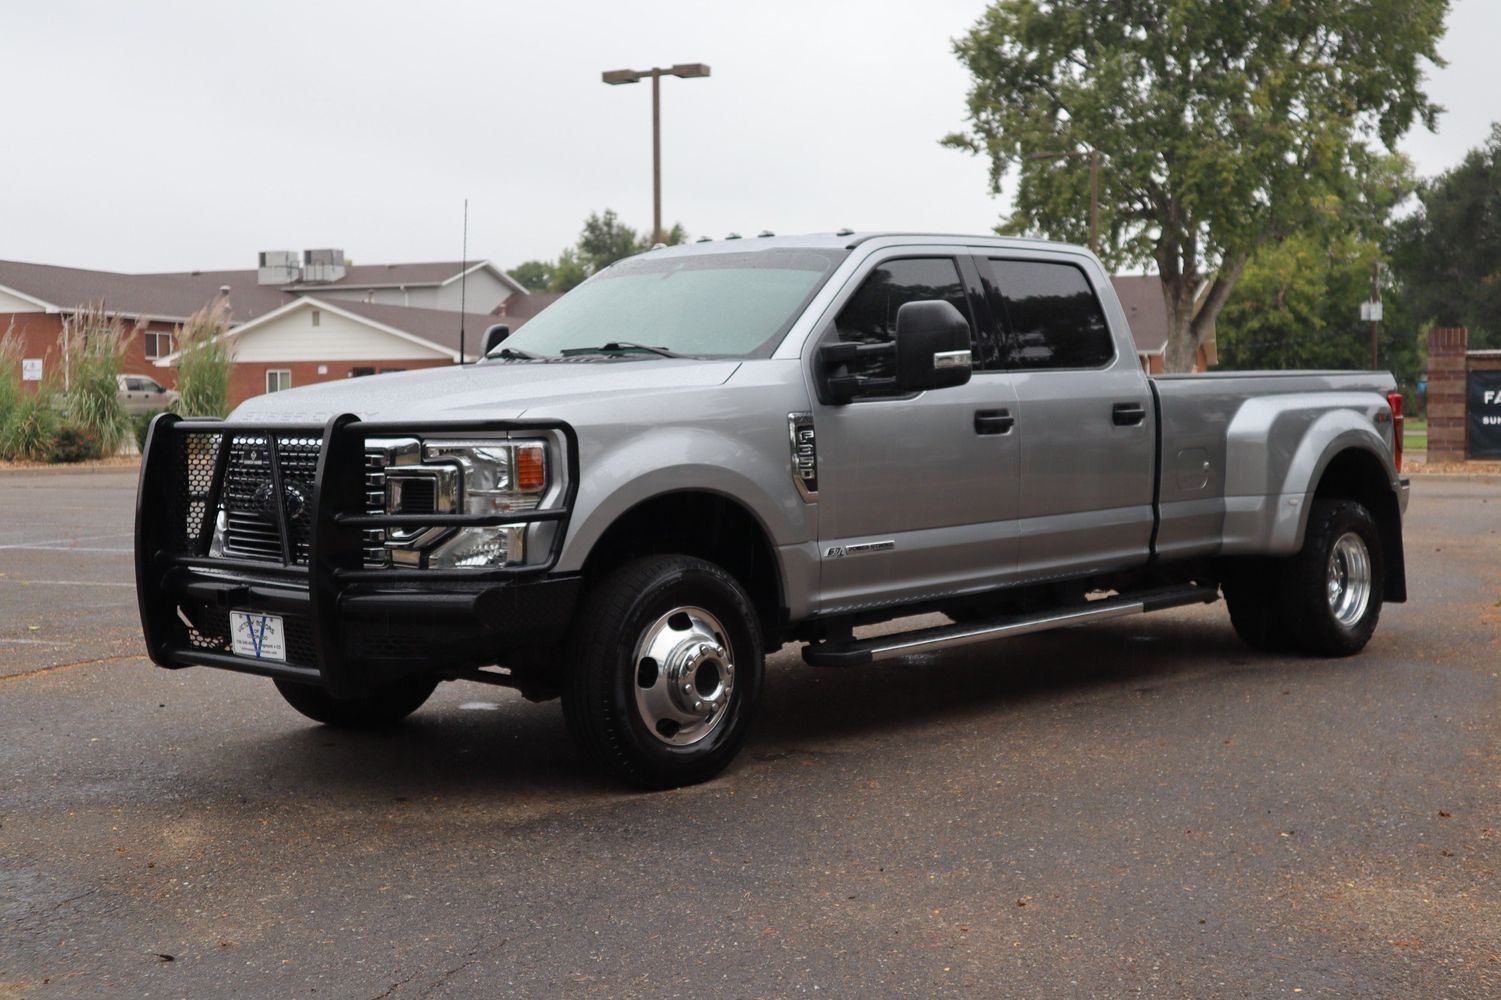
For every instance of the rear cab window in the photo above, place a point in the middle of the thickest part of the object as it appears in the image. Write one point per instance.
(1048, 315)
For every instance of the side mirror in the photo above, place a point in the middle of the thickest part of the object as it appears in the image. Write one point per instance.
(494, 336)
(932, 346)
(157, 389)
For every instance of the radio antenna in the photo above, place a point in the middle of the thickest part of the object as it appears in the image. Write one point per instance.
(463, 278)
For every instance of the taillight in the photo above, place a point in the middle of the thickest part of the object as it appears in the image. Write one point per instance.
(1394, 400)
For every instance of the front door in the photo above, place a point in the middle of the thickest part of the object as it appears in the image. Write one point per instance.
(917, 493)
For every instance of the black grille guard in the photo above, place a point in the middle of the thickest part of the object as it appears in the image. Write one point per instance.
(182, 473)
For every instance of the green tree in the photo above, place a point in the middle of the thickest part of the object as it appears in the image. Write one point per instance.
(1296, 304)
(603, 240)
(569, 272)
(534, 275)
(1447, 256)
(1219, 125)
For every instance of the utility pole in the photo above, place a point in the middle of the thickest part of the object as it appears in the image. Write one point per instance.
(1094, 186)
(1371, 312)
(681, 70)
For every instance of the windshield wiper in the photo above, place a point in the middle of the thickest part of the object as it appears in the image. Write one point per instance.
(511, 354)
(620, 346)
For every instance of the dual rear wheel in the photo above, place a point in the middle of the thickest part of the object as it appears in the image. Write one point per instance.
(1326, 599)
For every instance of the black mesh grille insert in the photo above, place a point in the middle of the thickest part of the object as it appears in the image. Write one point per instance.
(249, 496)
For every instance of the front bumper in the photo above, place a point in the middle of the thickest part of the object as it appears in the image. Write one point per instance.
(348, 628)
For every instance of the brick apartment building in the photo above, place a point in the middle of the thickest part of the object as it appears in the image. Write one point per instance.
(295, 319)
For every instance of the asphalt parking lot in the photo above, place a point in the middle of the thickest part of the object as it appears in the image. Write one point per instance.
(1137, 808)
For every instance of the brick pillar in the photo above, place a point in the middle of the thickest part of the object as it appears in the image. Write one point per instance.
(1446, 393)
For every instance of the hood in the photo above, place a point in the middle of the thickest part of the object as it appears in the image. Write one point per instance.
(502, 391)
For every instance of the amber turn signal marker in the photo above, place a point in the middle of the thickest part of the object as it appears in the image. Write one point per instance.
(531, 468)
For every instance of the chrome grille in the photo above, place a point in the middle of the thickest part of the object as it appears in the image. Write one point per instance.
(375, 503)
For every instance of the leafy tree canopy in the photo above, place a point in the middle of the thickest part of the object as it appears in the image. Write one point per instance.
(1297, 302)
(603, 240)
(1221, 124)
(1447, 256)
(533, 275)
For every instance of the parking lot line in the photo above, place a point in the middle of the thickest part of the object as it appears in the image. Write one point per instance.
(66, 583)
(52, 542)
(61, 548)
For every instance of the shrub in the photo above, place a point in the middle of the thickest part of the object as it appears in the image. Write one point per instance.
(30, 427)
(91, 401)
(10, 371)
(140, 423)
(204, 363)
(75, 443)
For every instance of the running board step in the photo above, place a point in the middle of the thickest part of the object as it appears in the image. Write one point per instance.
(858, 652)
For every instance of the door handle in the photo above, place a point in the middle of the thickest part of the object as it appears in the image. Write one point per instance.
(1128, 414)
(994, 421)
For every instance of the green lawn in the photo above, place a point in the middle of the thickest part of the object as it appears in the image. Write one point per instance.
(1415, 435)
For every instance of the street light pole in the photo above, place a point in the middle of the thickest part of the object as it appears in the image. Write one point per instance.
(682, 70)
(1094, 186)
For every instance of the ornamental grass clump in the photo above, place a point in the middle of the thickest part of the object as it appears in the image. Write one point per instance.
(31, 426)
(91, 400)
(204, 362)
(10, 372)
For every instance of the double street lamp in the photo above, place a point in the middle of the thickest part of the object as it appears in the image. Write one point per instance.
(619, 76)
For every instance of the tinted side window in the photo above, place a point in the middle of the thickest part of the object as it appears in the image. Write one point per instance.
(869, 317)
(1052, 318)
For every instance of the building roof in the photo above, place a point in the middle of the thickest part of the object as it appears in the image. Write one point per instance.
(523, 306)
(434, 328)
(177, 295)
(1141, 298)
(437, 326)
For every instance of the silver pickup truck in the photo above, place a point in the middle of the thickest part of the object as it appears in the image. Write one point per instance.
(705, 452)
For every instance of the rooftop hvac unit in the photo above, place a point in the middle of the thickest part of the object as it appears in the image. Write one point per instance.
(278, 267)
(322, 265)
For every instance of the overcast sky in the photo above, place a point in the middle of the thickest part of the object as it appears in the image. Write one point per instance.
(179, 134)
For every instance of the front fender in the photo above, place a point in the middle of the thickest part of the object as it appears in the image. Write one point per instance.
(662, 460)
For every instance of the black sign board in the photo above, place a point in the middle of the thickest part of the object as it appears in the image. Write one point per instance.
(1485, 414)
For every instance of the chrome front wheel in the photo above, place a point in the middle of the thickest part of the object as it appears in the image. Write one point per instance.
(1349, 579)
(685, 676)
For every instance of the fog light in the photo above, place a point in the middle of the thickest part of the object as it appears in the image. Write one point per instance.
(479, 547)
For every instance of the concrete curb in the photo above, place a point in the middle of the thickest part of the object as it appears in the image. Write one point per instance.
(81, 468)
(1456, 477)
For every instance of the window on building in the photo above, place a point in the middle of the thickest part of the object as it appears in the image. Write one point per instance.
(317, 317)
(278, 379)
(387, 371)
(1050, 315)
(158, 344)
(360, 372)
(869, 317)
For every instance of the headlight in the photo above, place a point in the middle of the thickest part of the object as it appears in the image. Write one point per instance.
(498, 477)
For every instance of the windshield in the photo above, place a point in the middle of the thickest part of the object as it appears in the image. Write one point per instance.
(714, 305)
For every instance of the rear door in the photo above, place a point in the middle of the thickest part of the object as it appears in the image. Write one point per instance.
(917, 493)
(1085, 419)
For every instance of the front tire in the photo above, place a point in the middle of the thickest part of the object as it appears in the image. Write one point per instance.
(383, 707)
(664, 671)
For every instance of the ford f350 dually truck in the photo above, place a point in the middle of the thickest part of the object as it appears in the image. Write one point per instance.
(704, 452)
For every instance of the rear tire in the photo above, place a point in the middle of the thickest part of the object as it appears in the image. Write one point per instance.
(664, 671)
(385, 707)
(1324, 601)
